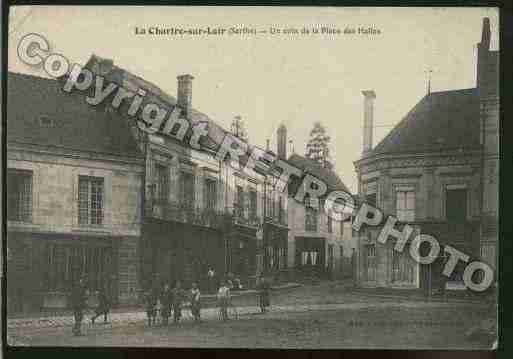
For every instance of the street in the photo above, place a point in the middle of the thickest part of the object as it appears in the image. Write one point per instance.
(323, 316)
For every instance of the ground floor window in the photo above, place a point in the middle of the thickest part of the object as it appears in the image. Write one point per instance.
(403, 267)
(66, 264)
(309, 258)
(370, 261)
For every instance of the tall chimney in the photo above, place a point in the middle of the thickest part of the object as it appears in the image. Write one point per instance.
(282, 142)
(482, 50)
(184, 95)
(368, 119)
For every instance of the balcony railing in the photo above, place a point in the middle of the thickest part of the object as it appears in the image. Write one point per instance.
(185, 212)
(243, 216)
(279, 219)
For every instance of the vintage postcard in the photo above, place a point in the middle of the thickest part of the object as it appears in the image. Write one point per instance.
(238, 177)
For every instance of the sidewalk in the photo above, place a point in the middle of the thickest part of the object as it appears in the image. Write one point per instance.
(139, 317)
(54, 319)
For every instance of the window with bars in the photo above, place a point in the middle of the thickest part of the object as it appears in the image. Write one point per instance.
(90, 200)
(405, 204)
(210, 194)
(161, 182)
(187, 193)
(19, 194)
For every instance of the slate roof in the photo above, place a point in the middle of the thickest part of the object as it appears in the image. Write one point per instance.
(128, 80)
(312, 167)
(441, 121)
(75, 124)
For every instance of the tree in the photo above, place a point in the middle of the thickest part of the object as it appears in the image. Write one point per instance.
(238, 128)
(318, 146)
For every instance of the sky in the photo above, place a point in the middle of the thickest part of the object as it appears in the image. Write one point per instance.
(269, 79)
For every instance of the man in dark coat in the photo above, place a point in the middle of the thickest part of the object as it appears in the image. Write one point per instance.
(264, 288)
(79, 302)
(103, 305)
(166, 299)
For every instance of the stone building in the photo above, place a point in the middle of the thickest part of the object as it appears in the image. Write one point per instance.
(200, 211)
(314, 243)
(74, 181)
(437, 171)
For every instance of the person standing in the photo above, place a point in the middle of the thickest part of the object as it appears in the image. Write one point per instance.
(79, 301)
(167, 301)
(211, 280)
(103, 305)
(178, 296)
(150, 302)
(264, 288)
(223, 297)
(195, 302)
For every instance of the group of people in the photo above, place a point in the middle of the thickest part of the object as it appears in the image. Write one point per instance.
(164, 301)
(171, 300)
(79, 297)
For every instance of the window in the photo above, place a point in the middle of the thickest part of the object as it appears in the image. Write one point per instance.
(281, 213)
(187, 189)
(341, 228)
(239, 201)
(162, 182)
(210, 194)
(402, 266)
(370, 262)
(253, 204)
(309, 258)
(90, 200)
(371, 199)
(311, 219)
(405, 205)
(330, 223)
(456, 205)
(19, 193)
(341, 258)
(331, 257)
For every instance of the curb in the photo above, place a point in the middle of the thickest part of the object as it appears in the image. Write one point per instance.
(418, 299)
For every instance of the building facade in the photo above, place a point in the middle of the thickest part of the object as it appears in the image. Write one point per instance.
(200, 211)
(428, 172)
(74, 197)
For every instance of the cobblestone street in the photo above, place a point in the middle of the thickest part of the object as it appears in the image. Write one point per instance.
(327, 315)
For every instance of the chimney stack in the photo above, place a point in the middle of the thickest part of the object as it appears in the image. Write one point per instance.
(282, 142)
(184, 95)
(482, 50)
(368, 120)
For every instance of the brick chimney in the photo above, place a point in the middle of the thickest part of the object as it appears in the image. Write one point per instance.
(368, 120)
(184, 93)
(282, 142)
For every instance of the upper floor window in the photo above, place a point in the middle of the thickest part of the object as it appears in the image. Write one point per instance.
(341, 228)
(210, 193)
(162, 182)
(90, 200)
(456, 205)
(405, 204)
(330, 223)
(372, 199)
(187, 193)
(281, 210)
(311, 219)
(253, 204)
(19, 193)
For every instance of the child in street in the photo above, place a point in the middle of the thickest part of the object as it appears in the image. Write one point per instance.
(195, 302)
(150, 300)
(178, 296)
(223, 297)
(166, 299)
